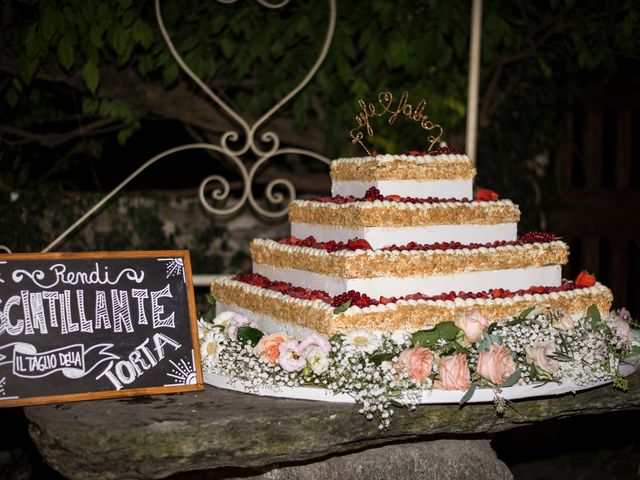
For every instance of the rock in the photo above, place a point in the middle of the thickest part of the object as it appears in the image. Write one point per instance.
(154, 437)
(459, 459)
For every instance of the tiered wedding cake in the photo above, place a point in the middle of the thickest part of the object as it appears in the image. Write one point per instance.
(402, 247)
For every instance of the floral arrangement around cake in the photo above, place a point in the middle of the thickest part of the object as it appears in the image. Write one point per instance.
(382, 371)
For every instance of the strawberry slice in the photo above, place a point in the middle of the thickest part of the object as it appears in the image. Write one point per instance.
(393, 198)
(358, 244)
(484, 194)
(363, 244)
(585, 279)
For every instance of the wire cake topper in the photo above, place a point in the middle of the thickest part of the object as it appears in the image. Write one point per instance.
(385, 102)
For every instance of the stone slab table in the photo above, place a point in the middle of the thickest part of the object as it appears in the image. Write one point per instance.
(154, 437)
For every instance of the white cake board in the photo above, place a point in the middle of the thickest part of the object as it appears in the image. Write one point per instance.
(428, 396)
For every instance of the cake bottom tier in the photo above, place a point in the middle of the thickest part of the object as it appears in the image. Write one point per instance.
(273, 310)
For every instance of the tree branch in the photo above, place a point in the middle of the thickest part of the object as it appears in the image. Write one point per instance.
(492, 98)
(50, 140)
(178, 103)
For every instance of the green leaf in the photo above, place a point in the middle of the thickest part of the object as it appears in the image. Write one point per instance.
(453, 347)
(512, 379)
(342, 307)
(65, 52)
(125, 133)
(447, 330)
(468, 394)
(561, 357)
(593, 314)
(249, 335)
(142, 33)
(69, 14)
(425, 338)
(89, 106)
(91, 75)
(227, 46)
(381, 357)
(31, 41)
(522, 317)
(48, 22)
(27, 68)
(128, 17)
(11, 97)
(120, 40)
(170, 74)
(397, 53)
(95, 36)
(209, 315)
(429, 338)
(337, 338)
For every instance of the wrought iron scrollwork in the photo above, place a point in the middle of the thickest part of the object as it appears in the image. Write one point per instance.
(249, 132)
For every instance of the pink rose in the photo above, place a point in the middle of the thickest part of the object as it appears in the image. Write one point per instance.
(417, 362)
(540, 357)
(496, 364)
(269, 346)
(622, 330)
(291, 357)
(472, 325)
(454, 373)
(318, 340)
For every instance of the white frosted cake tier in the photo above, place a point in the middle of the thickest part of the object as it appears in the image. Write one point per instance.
(457, 189)
(266, 323)
(510, 279)
(379, 237)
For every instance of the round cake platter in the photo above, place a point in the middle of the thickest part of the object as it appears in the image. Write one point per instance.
(480, 395)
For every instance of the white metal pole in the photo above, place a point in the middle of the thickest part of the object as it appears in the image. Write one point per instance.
(474, 79)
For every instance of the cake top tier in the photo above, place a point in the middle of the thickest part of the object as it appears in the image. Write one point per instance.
(443, 173)
(442, 164)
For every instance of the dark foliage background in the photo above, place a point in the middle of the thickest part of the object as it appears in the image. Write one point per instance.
(89, 89)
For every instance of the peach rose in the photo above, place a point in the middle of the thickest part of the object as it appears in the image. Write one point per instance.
(454, 373)
(472, 325)
(417, 362)
(539, 356)
(496, 364)
(269, 346)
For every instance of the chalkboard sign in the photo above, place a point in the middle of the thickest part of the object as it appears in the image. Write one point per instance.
(80, 326)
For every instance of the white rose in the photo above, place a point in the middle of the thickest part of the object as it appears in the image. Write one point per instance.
(539, 356)
(317, 359)
(400, 338)
(223, 319)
